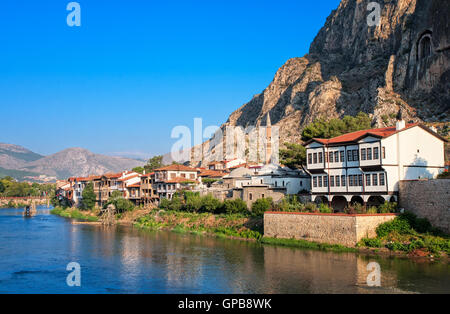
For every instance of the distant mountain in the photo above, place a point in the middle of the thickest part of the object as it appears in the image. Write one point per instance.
(17, 174)
(19, 162)
(80, 162)
(15, 157)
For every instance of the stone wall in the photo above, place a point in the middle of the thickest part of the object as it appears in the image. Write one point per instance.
(19, 201)
(427, 199)
(342, 229)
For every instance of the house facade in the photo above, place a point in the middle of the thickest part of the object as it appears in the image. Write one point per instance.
(168, 180)
(366, 166)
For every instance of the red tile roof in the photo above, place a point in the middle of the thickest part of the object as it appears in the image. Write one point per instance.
(212, 173)
(137, 185)
(176, 168)
(130, 177)
(355, 136)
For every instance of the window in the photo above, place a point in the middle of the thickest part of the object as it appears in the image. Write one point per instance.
(309, 159)
(342, 156)
(262, 196)
(337, 181)
(331, 181)
(376, 155)
(350, 180)
(369, 154)
(315, 182)
(325, 181)
(360, 180)
(367, 179)
(320, 181)
(343, 181)
(363, 154)
(375, 180)
(315, 158)
(355, 155)
(382, 179)
(336, 156)
(384, 152)
(250, 196)
(349, 155)
(320, 158)
(331, 157)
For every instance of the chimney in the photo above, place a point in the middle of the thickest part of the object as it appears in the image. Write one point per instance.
(401, 124)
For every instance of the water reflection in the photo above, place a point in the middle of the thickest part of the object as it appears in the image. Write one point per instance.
(34, 253)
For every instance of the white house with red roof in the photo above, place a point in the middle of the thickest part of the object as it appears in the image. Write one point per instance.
(366, 166)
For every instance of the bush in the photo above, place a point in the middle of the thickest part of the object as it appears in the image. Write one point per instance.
(325, 209)
(236, 206)
(311, 207)
(377, 243)
(261, 206)
(399, 225)
(209, 204)
(387, 207)
(193, 202)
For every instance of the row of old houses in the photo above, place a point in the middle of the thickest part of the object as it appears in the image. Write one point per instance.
(363, 166)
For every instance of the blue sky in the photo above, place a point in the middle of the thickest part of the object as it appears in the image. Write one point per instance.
(135, 69)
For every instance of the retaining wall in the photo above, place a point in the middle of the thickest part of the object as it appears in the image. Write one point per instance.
(342, 229)
(427, 199)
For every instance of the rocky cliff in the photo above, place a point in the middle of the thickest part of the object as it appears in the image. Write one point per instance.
(403, 62)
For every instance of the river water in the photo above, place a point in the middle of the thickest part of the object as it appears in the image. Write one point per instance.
(34, 254)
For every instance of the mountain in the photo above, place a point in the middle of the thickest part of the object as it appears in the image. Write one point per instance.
(15, 157)
(79, 162)
(19, 162)
(351, 66)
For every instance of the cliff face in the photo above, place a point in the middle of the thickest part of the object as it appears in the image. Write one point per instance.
(401, 63)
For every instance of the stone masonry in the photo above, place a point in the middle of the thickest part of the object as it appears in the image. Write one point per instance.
(341, 229)
(427, 199)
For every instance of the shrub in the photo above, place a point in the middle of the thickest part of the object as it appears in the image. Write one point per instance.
(398, 225)
(324, 208)
(311, 207)
(372, 210)
(193, 202)
(235, 206)
(377, 243)
(261, 206)
(387, 207)
(209, 204)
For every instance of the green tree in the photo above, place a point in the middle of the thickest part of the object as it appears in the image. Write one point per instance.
(294, 156)
(89, 197)
(138, 169)
(154, 163)
(236, 206)
(2, 187)
(260, 206)
(120, 203)
(322, 128)
(210, 204)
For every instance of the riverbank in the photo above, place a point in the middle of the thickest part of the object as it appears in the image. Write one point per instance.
(250, 228)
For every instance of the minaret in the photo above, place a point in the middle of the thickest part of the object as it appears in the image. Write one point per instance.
(268, 139)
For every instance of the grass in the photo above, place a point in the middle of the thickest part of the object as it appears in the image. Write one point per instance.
(74, 214)
(223, 225)
(408, 233)
(226, 226)
(308, 245)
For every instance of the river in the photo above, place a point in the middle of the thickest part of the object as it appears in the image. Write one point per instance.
(34, 254)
